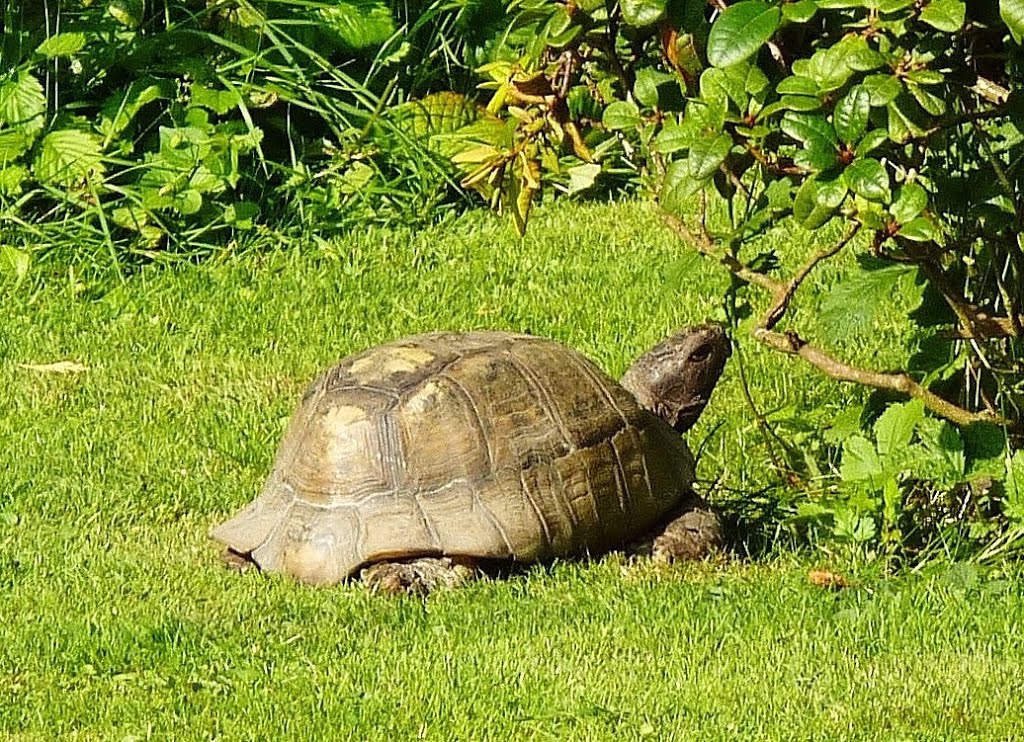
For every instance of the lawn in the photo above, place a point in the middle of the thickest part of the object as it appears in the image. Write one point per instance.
(117, 622)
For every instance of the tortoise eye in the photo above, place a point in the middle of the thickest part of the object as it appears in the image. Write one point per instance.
(701, 354)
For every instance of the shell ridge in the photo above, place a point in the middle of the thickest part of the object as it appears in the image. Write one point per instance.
(625, 496)
(428, 522)
(536, 509)
(543, 394)
(478, 502)
(596, 379)
(486, 428)
(271, 534)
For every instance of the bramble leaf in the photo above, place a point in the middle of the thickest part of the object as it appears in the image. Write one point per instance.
(22, 103)
(851, 114)
(61, 45)
(643, 12)
(867, 177)
(945, 15)
(895, 427)
(741, 30)
(1012, 13)
(67, 156)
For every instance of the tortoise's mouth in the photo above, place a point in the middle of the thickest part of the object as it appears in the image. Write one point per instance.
(688, 414)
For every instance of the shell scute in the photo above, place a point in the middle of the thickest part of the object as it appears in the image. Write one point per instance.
(479, 444)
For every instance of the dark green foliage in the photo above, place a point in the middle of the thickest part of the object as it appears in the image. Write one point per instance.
(903, 119)
(175, 128)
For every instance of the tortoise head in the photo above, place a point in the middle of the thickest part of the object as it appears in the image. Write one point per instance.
(675, 378)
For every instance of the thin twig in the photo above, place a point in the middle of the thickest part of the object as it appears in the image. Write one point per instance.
(784, 297)
(704, 244)
(765, 426)
(792, 344)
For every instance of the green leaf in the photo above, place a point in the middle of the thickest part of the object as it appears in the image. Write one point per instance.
(740, 31)
(860, 461)
(911, 199)
(883, 89)
(853, 303)
(945, 15)
(127, 12)
(831, 193)
(13, 144)
(808, 212)
(872, 140)
(647, 85)
(779, 194)
(68, 156)
(868, 178)
(930, 102)
(724, 84)
(850, 525)
(622, 114)
(679, 187)
(803, 103)
(794, 85)
(895, 427)
(844, 424)
(358, 25)
(218, 101)
(1012, 13)
(902, 124)
(799, 12)
(642, 12)
(707, 154)
(188, 201)
(582, 177)
(925, 77)
(850, 118)
(22, 103)
(858, 55)
(1014, 484)
(122, 106)
(921, 229)
(985, 447)
(241, 214)
(12, 180)
(446, 113)
(130, 217)
(817, 156)
(809, 129)
(61, 45)
(946, 462)
(675, 137)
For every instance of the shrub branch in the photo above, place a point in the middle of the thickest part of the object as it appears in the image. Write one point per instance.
(791, 343)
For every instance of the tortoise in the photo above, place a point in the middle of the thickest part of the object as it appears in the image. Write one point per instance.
(416, 461)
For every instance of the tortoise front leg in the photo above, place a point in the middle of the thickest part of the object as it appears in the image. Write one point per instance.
(691, 534)
(418, 576)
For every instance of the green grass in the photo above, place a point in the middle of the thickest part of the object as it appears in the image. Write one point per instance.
(117, 621)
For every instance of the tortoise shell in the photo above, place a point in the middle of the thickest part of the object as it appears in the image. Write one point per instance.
(487, 445)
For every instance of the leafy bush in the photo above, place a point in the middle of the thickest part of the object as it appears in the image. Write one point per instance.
(902, 121)
(133, 129)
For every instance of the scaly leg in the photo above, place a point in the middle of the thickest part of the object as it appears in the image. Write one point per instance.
(418, 576)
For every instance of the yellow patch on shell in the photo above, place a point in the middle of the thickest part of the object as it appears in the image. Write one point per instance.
(343, 416)
(348, 432)
(388, 361)
(424, 399)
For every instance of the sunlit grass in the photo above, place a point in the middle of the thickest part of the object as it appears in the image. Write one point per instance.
(117, 620)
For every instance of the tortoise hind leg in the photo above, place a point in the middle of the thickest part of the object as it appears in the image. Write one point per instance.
(694, 533)
(418, 576)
